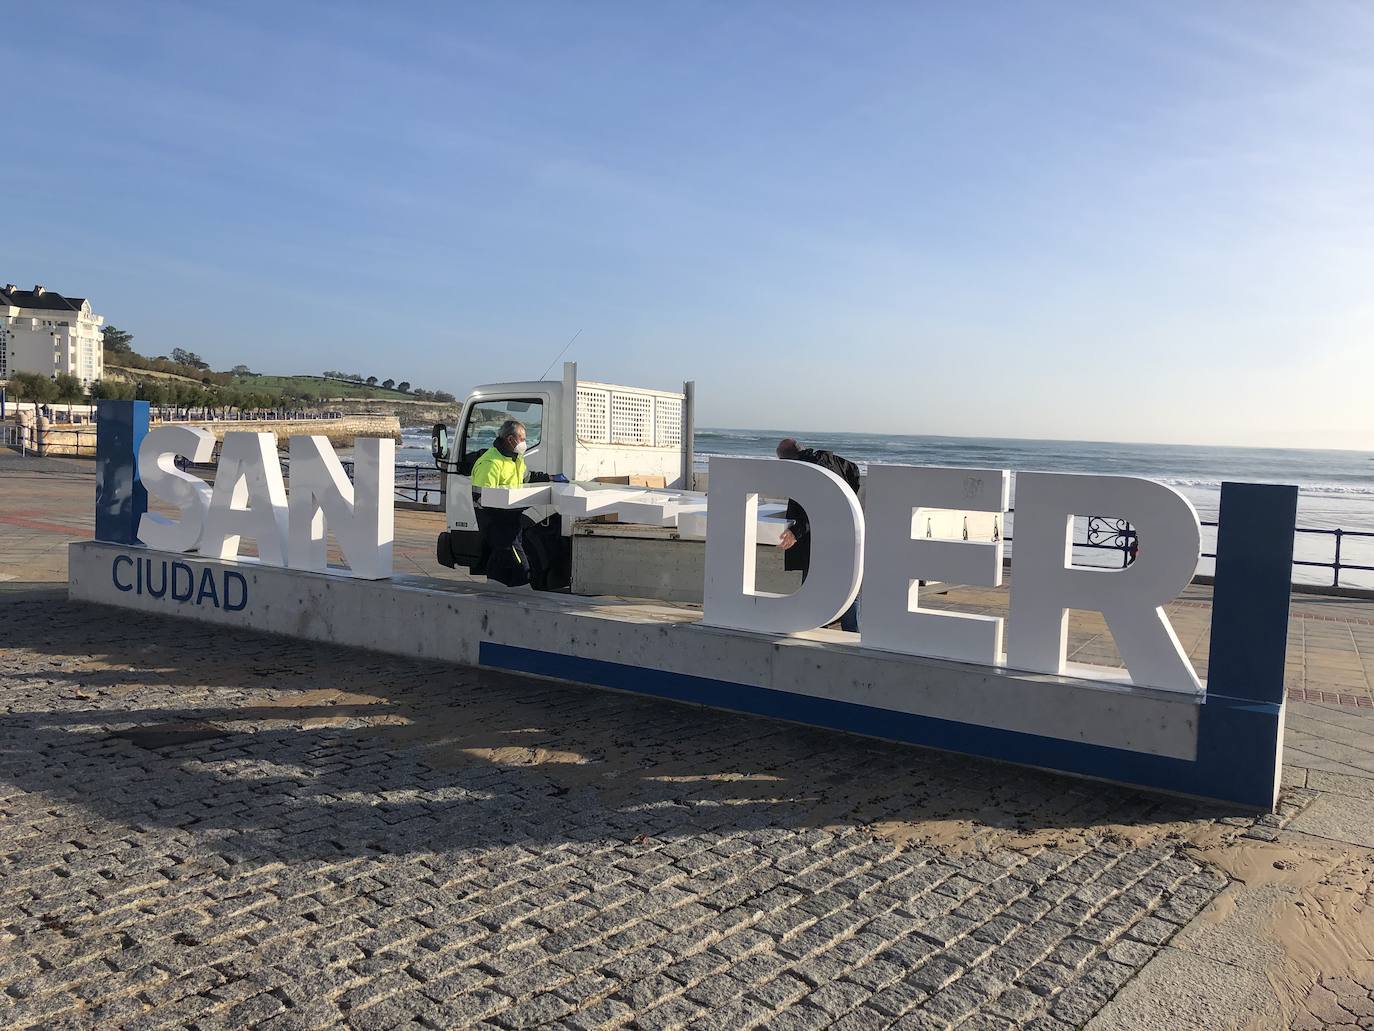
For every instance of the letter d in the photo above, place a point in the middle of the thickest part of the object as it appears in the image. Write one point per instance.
(837, 541)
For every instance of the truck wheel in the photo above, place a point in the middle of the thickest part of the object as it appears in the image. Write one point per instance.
(444, 550)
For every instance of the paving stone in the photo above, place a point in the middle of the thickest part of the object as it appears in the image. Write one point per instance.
(1016, 1004)
(800, 1018)
(837, 997)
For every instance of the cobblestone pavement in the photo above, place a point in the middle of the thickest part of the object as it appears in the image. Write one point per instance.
(206, 829)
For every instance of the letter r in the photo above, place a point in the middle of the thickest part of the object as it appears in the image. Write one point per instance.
(1045, 584)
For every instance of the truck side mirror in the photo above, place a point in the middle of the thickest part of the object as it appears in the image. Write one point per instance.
(439, 442)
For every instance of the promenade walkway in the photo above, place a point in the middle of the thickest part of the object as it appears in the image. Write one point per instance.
(204, 828)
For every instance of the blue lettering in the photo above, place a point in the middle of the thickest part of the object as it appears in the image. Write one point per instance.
(232, 577)
(177, 593)
(207, 588)
(114, 572)
(160, 589)
(138, 576)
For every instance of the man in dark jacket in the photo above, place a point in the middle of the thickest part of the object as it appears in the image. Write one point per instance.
(796, 539)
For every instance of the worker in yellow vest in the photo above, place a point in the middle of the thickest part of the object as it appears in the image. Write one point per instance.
(503, 465)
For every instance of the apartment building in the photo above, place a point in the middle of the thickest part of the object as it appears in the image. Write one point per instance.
(45, 332)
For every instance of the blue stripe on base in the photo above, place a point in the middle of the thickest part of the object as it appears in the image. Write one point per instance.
(1233, 734)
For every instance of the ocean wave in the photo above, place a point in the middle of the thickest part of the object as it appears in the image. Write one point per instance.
(1353, 490)
(1358, 490)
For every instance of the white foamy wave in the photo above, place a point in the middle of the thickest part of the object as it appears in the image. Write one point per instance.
(1354, 490)
(1333, 489)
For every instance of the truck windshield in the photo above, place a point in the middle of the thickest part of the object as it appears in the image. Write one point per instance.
(486, 417)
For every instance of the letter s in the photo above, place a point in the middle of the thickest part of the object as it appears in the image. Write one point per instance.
(157, 467)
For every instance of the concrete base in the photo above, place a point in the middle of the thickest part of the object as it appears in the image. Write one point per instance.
(1150, 739)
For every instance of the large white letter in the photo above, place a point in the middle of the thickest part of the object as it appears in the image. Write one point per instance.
(361, 514)
(157, 469)
(898, 556)
(837, 539)
(249, 499)
(1045, 584)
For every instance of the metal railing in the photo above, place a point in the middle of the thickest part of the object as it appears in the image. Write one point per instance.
(197, 414)
(1104, 533)
(15, 437)
(58, 441)
(427, 489)
(1335, 565)
(1109, 533)
(413, 482)
(64, 442)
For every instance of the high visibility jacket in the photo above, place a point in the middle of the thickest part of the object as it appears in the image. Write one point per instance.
(494, 469)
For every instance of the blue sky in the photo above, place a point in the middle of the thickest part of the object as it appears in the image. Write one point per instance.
(1100, 221)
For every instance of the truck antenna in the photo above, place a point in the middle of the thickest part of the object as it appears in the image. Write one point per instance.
(561, 353)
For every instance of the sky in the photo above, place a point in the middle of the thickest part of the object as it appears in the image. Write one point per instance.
(1144, 222)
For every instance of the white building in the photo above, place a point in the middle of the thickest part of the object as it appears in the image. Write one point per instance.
(44, 332)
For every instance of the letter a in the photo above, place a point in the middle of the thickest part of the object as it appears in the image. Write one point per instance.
(249, 500)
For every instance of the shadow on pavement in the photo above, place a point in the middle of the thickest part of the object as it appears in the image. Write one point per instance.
(262, 746)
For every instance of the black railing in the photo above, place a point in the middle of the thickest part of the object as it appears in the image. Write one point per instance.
(1335, 565)
(1111, 533)
(1104, 533)
(410, 484)
(417, 483)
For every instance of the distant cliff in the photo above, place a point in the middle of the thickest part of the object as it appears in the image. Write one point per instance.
(409, 413)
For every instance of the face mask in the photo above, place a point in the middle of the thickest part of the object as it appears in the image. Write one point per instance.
(520, 447)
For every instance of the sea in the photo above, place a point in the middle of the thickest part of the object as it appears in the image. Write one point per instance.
(1336, 488)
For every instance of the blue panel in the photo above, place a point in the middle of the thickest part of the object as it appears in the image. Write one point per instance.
(120, 499)
(1226, 773)
(1250, 599)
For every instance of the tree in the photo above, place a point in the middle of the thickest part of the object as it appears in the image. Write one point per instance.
(32, 386)
(116, 341)
(403, 386)
(444, 397)
(371, 381)
(184, 357)
(241, 370)
(158, 392)
(111, 390)
(388, 383)
(68, 389)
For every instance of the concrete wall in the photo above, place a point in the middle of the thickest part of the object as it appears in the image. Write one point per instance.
(79, 440)
(340, 432)
(32, 350)
(66, 440)
(410, 413)
(1148, 738)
